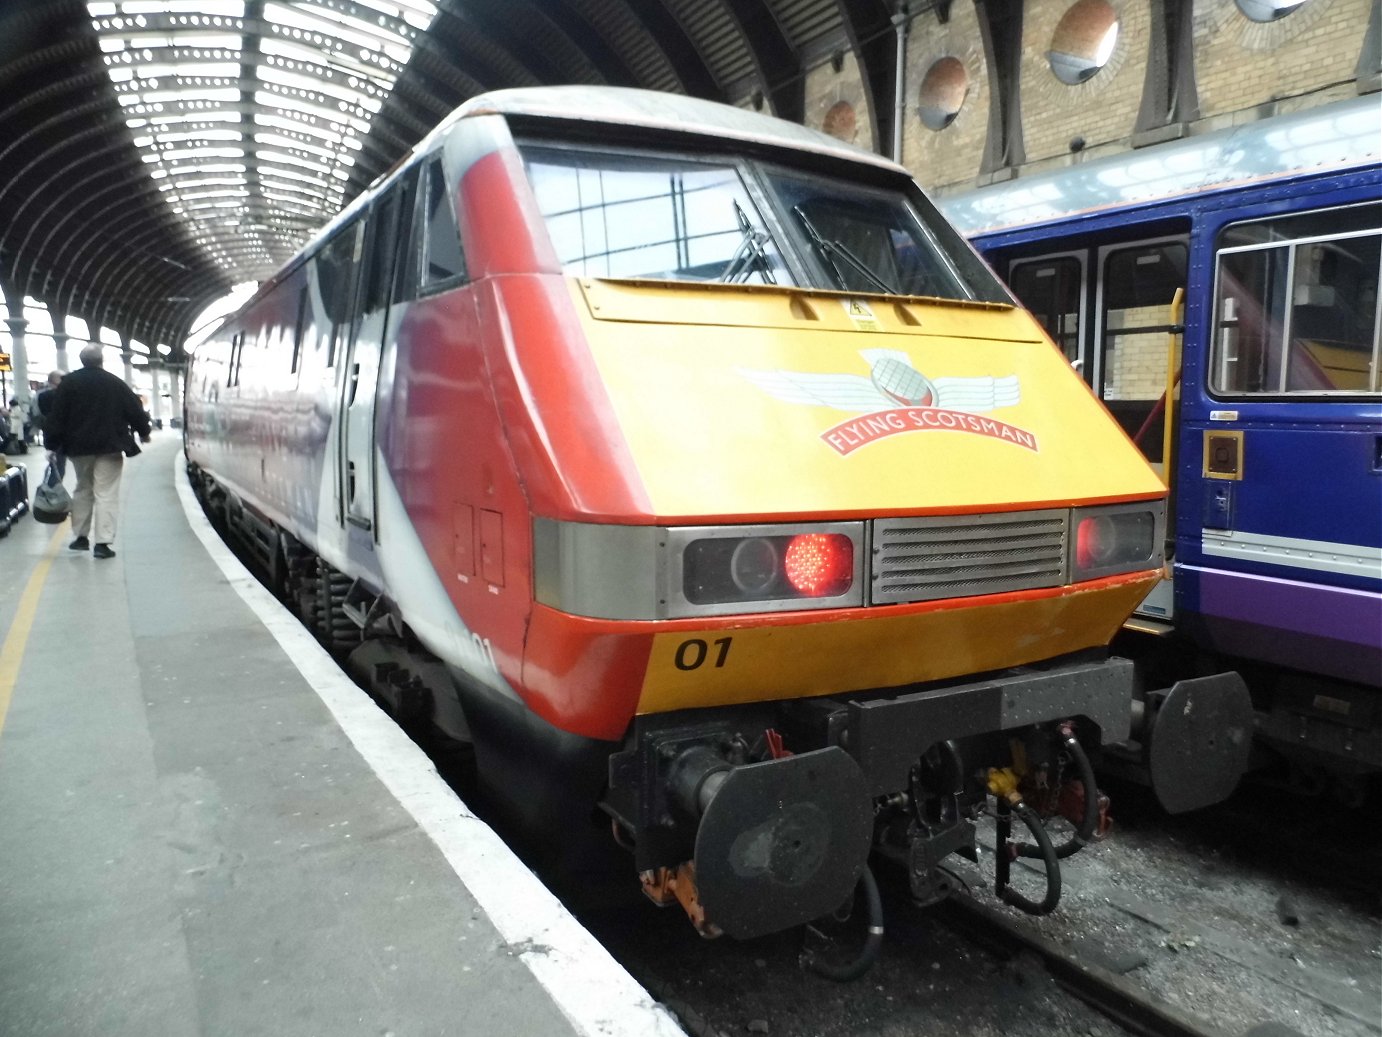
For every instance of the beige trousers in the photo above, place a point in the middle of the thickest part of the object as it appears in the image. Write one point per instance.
(96, 500)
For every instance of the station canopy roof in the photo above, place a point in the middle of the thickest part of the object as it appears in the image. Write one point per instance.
(154, 153)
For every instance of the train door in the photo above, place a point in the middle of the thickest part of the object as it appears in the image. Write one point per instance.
(1133, 373)
(357, 476)
(1053, 288)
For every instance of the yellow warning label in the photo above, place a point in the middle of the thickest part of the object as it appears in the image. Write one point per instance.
(861, 315)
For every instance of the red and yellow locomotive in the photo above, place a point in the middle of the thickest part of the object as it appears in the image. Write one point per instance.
(687, 464)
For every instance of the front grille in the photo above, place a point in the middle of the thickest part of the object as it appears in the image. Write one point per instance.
(922, 559)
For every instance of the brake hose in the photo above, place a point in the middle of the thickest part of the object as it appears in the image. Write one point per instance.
(1006, 853)
(873, 943)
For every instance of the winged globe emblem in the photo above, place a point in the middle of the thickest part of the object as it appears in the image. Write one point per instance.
(901, 398)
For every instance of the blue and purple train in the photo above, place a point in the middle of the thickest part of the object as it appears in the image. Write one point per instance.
(1220, 294)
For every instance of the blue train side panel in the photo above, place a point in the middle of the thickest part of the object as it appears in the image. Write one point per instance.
(1276, 452)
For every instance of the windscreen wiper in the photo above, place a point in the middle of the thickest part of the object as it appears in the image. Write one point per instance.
(750, 253)
(830, 250)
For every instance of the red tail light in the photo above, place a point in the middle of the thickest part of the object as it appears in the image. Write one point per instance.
(819, 564)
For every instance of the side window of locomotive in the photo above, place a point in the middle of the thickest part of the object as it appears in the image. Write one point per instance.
(299, 328)
(1298, 316)
(868, 239)
(639, 216)
(1052, 289)
(335, 267)
(443, 265)
(236, 346)
(407, 240)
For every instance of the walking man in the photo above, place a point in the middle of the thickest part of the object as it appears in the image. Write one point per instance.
(91, 420)
(43, 404)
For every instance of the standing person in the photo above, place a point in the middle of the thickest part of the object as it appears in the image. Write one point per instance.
(92, 415)
(43, 405)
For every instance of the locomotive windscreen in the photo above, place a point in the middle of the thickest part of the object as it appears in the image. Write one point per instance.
(629, 215)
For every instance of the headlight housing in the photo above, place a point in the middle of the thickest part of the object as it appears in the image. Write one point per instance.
(1105, 541)
(604, 571)
(659, 572)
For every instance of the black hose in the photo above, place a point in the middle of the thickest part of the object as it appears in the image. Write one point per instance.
(1048, 855)
(873, 943)
(1084, 834)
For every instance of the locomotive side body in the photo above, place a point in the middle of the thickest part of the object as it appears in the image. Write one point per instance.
(688, 466)
(1273, 233)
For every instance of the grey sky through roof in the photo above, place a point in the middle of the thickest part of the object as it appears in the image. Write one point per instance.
(249, 113)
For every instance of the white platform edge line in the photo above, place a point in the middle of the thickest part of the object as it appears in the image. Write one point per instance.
(595, 993)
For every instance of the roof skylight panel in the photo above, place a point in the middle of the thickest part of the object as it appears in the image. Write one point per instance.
(223, 8)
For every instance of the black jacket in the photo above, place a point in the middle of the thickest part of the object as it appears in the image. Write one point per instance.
(93, 412)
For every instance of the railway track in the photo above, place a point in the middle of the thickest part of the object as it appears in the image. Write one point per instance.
(1124, 1002)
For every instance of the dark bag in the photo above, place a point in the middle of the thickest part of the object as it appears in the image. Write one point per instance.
(131, 445)
(52, 502)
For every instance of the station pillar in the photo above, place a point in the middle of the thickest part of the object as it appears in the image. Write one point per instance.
(175, 394)
(60, 344)
(19, 361)
(127, 355)
(156, 391)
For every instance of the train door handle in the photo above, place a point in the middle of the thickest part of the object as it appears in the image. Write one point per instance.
(1377, 455)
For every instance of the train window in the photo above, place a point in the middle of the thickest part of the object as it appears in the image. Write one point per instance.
(335, 267)
(299, 328)
(1052, 288)
(442, 262)
(406, 250)
(636, 216)
(1333, 328)
(1297, 316)
(1137, 286)
(870, 240)
(236, 348)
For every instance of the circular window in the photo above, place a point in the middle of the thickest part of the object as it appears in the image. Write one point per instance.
(839, 121)
(1268, 10)
(943, 91)
(1083, 41)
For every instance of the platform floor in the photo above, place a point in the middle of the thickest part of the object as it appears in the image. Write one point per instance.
(206, 829)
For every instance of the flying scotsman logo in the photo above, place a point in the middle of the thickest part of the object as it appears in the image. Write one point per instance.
(895, 398)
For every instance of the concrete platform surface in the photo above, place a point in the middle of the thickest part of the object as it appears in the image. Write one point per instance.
(206, 829)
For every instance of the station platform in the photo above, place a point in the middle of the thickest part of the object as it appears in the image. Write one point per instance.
(206, 828)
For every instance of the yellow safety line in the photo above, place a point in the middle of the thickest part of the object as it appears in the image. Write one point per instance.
(12, 651)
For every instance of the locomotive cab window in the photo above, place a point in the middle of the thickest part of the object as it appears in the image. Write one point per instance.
(645, 217)
(443, 264)
(334, 268)
(1297, 306)
(694, 219)
(865, 239)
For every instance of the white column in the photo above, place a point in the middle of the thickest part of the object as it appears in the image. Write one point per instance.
(156, 403)
(19, 386)
(60, 341)
(175, 391)
(127, 355)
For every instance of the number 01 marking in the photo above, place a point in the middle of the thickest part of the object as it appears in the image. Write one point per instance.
(692, 654)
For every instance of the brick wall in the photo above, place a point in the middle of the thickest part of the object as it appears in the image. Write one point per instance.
(1098, 111)
(953, 154)
(1240, 64)
(1137, 368)
(835, 104)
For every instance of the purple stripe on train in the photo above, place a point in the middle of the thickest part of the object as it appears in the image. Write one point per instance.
(1330, 630)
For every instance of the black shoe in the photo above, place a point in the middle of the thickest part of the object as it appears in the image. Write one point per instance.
(102, 551)
(80, 544)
